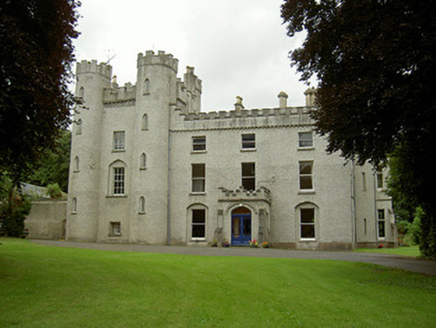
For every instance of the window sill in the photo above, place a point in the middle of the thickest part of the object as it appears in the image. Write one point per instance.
(116, 196)
(199, 193)
(247, 150)
(113, 235)
(307, 239)
(143, 168)
(307, 192)
(198, 240)
(198, 151)
(141, 213)
(306, 148)
(118, 150)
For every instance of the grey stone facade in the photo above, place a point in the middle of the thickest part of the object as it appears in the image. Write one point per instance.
(147, 166)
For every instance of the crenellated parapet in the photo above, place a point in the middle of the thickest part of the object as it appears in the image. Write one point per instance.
(163, 59)
(242, 195)
(91, 67)
(117, 95)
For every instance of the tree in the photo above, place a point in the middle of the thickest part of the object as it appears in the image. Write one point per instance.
(53, 166)
(375, 63)
(36, 54)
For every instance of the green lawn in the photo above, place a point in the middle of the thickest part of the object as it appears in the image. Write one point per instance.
(412, 251)
(44, 286)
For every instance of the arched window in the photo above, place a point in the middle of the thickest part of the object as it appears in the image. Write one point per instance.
(146, 86)
(306, 214)
(141, 205)
(76, 164)
(74, 205)
(82, 93)
(117, 178)
(143, 163)
(144, 122)
(79, 126)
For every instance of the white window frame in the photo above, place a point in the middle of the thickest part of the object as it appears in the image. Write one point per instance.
(381, 219)
(305, 175)
(193, 224)
(305, 143)
(307, 224)
(198, 144)
(251, 177)
(119, 141)
(248, 141)
(379, 179)
(198, 180)
(119, 181)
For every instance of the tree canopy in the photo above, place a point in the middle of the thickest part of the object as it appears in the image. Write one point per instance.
(375, 63)
(36, 54)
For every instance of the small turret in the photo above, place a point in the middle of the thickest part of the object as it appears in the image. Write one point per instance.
(310, 97)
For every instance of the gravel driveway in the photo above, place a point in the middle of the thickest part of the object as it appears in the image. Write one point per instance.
(426, 267)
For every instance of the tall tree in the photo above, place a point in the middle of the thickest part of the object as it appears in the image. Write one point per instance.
(36, 54)
(375, 63)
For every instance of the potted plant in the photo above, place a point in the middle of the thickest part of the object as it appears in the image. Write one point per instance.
(254, 243)
(226, 243)
(265, 244)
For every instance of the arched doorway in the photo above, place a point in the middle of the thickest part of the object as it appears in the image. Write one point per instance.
(241, 226)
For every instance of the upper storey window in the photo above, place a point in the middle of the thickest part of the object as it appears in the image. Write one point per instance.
(249, 141)
(199, 143)
(119, 140)
(146, 86)
(198, 178)
(248, 176)
(306, 175)
(305, 140)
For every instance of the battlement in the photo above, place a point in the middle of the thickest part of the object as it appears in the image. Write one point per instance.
(116, 94)
(160, 59)
(245, 113)
(86, 67)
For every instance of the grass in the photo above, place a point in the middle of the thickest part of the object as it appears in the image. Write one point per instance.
(412, 251)
(43, 286)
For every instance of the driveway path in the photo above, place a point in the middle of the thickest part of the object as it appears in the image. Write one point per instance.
(400, 262)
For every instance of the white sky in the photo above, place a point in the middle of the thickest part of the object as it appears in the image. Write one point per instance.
(238, 47)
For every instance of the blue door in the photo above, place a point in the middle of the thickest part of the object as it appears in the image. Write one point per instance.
(241, 229)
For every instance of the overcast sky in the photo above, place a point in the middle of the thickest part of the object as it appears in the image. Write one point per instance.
(238, 47)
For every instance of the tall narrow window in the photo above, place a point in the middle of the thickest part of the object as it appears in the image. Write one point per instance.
(144, 122)
(79, 127)
(381, 224)
(305, 140)
(76, 164)
(81, 94)
(119, 140)
(199, 143)
(142, 205)
(143, 161)
(380, 179)
(198, 177)
(146, 88)
(198, 224)
(249, 176)
(306, 178)
(249, 141)
(118, 181)
(74, 205)
(307, 223)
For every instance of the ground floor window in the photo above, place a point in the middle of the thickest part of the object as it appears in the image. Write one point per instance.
(307, 223)
(381, 224)
(198, 224)
(115, 229)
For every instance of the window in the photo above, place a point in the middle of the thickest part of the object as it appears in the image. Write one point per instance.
(115, 229)
(249, 176)
(380, 180)
(305, 140)
(143, 161)
(306, 182)
(307, 223)
(118, 181)
(76, 164)
(79, 127)
(119, 140)
(144, 125)
(82, 94)
(198, 177)
(142, 205)
(249, 141)
(199, 143)
(381, 224)
(146, 87)
(74, 205)
(198, 224)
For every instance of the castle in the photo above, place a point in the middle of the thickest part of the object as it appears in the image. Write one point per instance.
(147, 166)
